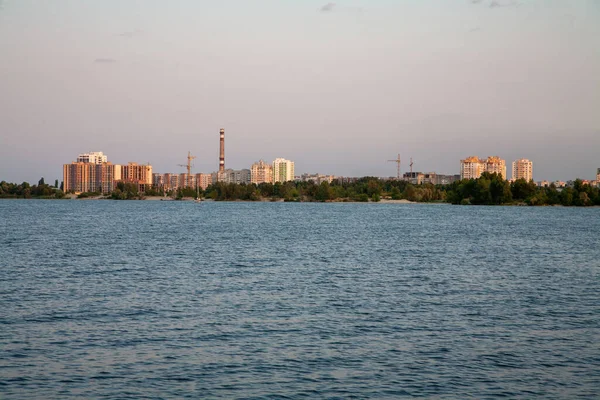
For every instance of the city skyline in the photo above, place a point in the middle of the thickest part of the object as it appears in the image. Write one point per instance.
(338, 89)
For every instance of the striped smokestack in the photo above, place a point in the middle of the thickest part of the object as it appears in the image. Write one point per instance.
(222, 151)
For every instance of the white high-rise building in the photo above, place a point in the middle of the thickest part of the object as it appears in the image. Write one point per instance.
(94, 157)
(522, 169)
(283, 170)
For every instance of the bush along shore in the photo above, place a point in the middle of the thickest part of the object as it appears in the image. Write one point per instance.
(26, 191)
(489, 189)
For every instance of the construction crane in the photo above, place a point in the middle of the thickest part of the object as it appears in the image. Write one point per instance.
(411, 164)
(190, 157)
(397, 161)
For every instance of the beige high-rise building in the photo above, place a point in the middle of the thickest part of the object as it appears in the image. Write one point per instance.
(136, 173)
(203, 180)
(283, 170)
(261, 172)
(473, 167)
(81, 177)
(495, 164)
(522, 169)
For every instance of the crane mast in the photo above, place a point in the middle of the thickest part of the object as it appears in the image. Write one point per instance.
(397, 161)
(190, 157)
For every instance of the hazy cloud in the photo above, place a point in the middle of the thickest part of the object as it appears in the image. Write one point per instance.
(328, 7)
(130, 34)
(498, 3)
(105, 60)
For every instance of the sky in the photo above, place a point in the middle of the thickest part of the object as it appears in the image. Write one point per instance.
(338, 87)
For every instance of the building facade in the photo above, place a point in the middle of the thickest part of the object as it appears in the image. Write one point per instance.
(522, 169)
(238, 176)
(496, 165)
(81, 177)
(283, 170)
(203, 180)
(473, 167)
(94, 157)
(261, 172)
(317, 178)
(136, 173)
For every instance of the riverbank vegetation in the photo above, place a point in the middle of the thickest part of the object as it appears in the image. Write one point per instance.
(362, 190)
(489, 189)
(26, 191)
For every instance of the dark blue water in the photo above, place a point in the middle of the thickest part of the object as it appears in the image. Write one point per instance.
(102, 299)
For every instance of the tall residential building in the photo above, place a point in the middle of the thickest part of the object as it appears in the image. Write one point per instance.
(203, 180)
(522, 169)
(136, 173)
(182, 181)
(473, 167)
(158, 180)
(94, 157)
(261, 172)
(598, 175)
(88, 177)
(496, 165)
(283, 170)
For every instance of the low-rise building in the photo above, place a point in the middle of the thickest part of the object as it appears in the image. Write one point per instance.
(419, 178)
(232, 176)
(316, 178)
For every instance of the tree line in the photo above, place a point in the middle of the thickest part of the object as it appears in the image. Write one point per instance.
(26, 191)
(492, 189)
(489, 189)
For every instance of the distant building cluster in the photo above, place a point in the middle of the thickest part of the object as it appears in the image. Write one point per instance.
(93, 173)
(280, 170)
(419, 178)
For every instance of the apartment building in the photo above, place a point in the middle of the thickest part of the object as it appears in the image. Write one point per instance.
(261, 172)
(283, 170)
(316, 178)
(203, 180)
(136, 173)
(522, 169)
(473, 167)
(81, 177)
(93, 157)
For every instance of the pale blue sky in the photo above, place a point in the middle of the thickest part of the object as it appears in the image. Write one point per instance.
(338, 91)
